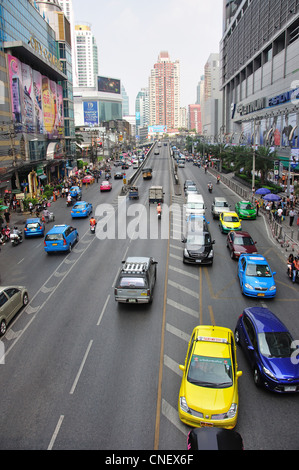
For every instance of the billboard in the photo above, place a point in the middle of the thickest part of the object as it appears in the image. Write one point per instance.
(109, 85)
(91, 113)
(157, 129)
(37, 101)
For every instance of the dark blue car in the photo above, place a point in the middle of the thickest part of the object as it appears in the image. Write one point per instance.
(270, 350)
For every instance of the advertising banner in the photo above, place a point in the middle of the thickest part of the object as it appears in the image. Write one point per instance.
(37, 101)
(91, 113)
(109, 85)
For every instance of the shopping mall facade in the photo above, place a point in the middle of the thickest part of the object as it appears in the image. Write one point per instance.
(259, 80)
(37, 133)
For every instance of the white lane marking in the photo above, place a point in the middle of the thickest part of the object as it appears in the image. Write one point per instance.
(81, 368)
(172, 415)
(181, 307)
(172, 365)
(185, 273)
(179, 333)
(183, 289)
(103, 310)
(58, 426)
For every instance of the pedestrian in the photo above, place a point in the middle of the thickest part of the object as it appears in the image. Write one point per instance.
(279, 215)
(257, 206)
(62, 191)
(292, 214)
(30, 205)
(295, 268)
(7, 216)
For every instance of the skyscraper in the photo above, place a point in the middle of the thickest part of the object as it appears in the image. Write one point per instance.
(67, 7)
(87, 56)
(164, 92)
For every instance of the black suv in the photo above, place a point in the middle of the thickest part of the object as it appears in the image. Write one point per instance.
(198, 244)
(136, 281)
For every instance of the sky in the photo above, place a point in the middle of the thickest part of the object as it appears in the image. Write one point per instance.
(130, 35)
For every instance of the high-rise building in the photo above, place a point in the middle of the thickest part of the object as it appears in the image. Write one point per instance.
(126, 102)
(87, 56)
(164, 92)
(194, 118)
(142, 109)
(211, 107)
(260, 74)
(67, 7)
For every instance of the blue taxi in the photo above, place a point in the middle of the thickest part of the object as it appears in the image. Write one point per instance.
(255, 276)
(76, 192)
(34, 227)
(61, 238)
(81, 209)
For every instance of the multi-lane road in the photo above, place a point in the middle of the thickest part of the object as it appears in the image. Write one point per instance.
(82, 372)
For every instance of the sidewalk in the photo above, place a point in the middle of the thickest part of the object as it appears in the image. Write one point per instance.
(286, 236)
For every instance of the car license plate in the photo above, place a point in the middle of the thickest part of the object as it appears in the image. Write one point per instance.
(198, 261)
(290, 388)
(132, 300)
(54, 244)
(207, 425)
(260, 295)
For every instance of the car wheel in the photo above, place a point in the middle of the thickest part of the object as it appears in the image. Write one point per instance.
(77, 238)
(256, 377)
(2, 327)
(25, 299)
(237, 337)
(70, 248)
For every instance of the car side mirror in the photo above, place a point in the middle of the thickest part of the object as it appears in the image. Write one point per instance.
(213, 242)
(251, 348)
(274, 272)
(181, 367)
(239, 373)
(184, 240)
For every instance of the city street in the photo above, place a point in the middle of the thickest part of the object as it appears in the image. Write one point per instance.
(82, 372)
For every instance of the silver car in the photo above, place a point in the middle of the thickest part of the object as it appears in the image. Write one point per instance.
(219, 205)
(12, 299)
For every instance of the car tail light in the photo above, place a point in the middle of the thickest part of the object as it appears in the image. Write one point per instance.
(148, 292)
(64, 241)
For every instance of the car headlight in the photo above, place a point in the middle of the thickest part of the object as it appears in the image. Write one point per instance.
(186, 252)
(183, 405)
(231, 413)
(273, 288)
(248, 286)
(269, 373)
(211, 254)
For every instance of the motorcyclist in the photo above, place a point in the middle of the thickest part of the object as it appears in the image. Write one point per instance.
(159, 208)
(92, 222)
(18, 232)
(210, 186)
(218, 179)
(69, 199)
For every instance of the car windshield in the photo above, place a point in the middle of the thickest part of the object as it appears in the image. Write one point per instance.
(33, 225)
(246, 207)
(131, 282)
(221, 204)
(244, 241)
(276, 344)
(195, 205)
(80, 206)
(191, 188)
(259, 270)
(230, 218)
(210, 371)
(198, 239)
(54, 237)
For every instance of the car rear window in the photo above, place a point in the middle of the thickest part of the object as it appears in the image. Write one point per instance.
(54, 237)
(79, 206)
(33, 225)
(132, 282)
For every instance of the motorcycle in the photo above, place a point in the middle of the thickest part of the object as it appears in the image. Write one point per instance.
(290, 274)
(6, 234)
(210, 188)
(93, 228)
(218, 180)
(69, 202)
(16, 237)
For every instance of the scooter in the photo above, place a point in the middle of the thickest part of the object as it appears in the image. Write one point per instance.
(93, 228)
(68, 202)
(16, 238)
(6, 233)
(210, 188)
(290, 275)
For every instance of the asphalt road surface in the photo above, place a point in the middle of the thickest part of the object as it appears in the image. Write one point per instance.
(83, 372)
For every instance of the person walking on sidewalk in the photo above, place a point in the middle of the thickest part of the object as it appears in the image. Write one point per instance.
(292, 214)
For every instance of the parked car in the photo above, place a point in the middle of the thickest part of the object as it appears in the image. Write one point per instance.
(61, 238)
(34, 227)
(255, 276)
(136, 281)
(269, 348)
(12, 299)
(245, 210)
(81, 209)
(240, 243)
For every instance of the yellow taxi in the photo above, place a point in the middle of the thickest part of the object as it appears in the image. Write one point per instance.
(209, 389)
(229, 221)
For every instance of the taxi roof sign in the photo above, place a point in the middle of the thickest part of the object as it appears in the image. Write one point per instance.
(212, 339)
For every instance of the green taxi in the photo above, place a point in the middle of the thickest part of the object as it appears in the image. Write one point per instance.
(245, 210)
